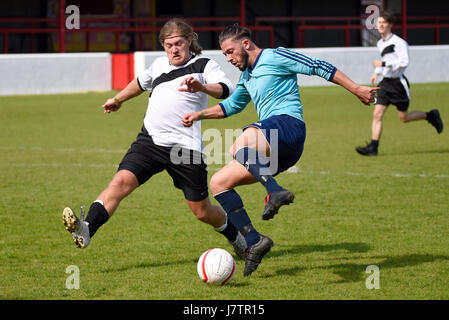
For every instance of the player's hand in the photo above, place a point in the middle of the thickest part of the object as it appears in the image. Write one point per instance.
(367, 94)
(373, 79)
(111, 105)
(190, 84)
(189, 118)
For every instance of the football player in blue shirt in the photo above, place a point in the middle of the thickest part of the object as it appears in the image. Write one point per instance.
(275, 142)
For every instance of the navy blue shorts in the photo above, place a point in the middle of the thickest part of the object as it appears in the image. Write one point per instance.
(286, 136)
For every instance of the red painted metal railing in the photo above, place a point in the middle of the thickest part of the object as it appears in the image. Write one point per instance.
(85, 28)
(144, 25)
(348, 23)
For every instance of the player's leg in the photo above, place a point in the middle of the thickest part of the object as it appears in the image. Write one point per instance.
(123, 183)
(191, 178)
(377, 123)
(136, 167)
(433, 117)
(214, 215)
(406, 116)
(376, 131)
(402, 100)
(253, 150)
(222, 184)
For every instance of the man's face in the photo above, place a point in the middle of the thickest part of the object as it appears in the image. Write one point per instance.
(177, 48)
(383, 26)
(235, 53)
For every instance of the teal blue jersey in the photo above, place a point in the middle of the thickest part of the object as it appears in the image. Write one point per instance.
(272, 83)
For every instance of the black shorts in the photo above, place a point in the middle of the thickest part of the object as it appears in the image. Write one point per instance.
(188, 170)
(394, 91)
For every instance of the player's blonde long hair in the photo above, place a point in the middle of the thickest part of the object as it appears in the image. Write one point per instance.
(184, 28)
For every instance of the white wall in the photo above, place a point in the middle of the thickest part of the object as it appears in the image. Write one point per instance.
(427, 63)
(80, 72)
(54, 73)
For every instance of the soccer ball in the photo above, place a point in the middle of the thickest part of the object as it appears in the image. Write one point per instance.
(216, 266)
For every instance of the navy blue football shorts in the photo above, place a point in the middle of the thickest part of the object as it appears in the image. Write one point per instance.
(286, 136)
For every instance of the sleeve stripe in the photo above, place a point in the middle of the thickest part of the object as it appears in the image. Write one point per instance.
(223, 109)
(325, 66)
(306, 60)
(140, 86)
(333, 74)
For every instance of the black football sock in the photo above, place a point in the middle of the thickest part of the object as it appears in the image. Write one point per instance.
(96, 217)
(228, 230)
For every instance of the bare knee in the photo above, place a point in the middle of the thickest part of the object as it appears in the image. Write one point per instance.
(124, 182)
(217, 183)
(378, 115)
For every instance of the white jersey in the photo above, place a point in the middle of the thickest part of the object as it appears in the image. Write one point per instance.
(167, 105)
(394, 52)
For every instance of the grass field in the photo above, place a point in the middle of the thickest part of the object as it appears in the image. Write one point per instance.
(350, 212)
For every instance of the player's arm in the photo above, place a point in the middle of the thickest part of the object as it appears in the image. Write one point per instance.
(215, 82)
(215, 112)
(365, 94)
(291, 61)
(232, 105)
(217, 90)
(132, 90)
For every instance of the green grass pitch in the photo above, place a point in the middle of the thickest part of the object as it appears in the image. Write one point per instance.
(350, 212)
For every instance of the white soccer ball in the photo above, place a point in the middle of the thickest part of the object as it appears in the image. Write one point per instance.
(216, 266)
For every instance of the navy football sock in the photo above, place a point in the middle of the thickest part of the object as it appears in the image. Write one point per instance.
(96, 217)
(233, 205)
(250, 159)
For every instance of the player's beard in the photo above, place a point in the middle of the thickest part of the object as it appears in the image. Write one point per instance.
(245, 58)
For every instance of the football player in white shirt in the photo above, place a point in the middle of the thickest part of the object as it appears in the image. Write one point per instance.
(394, 87)
(179, 82)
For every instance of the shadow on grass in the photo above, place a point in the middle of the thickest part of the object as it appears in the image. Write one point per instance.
(353, 247)
(304, 249)
(154, 264)
(354, 272)
(429, 151)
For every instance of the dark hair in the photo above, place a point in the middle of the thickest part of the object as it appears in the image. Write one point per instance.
(184, 28)
(236, 32)
(388, 17)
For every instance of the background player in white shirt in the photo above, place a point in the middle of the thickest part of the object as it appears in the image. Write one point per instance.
(179, 83)
(394, 87)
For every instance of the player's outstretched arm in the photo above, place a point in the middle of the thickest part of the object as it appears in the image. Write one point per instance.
(190, 84)
(130, 91)
(365, 94)
(214, 112)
